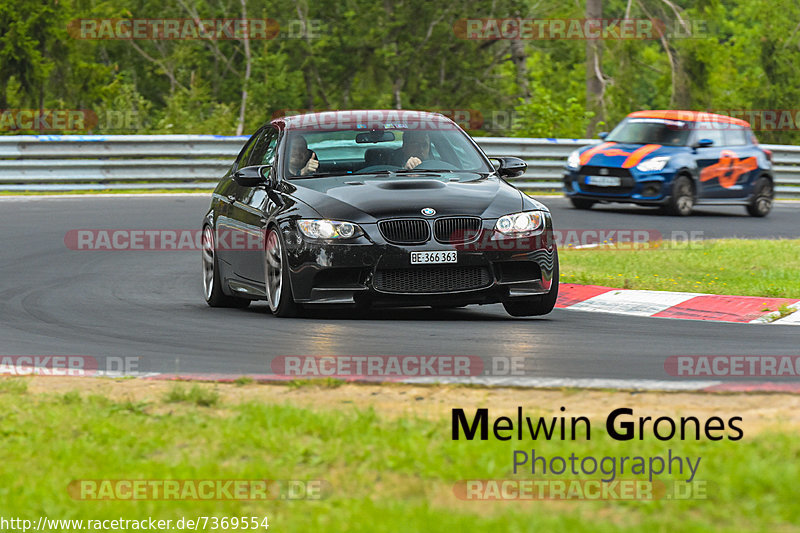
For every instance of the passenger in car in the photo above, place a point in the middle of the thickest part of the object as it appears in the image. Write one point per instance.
(302, 161)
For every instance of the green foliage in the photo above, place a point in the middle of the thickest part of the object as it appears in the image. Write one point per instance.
(366, 54)
(200, 396)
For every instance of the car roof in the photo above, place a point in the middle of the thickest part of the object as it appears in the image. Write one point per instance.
(689, 116)
(364, 117)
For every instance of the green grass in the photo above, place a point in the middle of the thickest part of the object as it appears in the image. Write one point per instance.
(385, 475)
(201, 396)
(768, 268)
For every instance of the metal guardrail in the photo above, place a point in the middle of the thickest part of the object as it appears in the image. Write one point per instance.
(61, 162)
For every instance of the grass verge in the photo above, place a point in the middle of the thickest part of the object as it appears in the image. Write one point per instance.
(386, 471)
(769, 268)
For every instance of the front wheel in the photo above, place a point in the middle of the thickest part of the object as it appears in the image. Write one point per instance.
(763, 195)
(212, 285)
(276, 274)
(681, 202)
(537, 305)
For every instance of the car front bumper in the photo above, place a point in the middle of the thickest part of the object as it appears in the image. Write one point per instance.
(371, 270)
(646, 188)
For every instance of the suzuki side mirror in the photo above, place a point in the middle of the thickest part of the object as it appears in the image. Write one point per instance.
(703, 143)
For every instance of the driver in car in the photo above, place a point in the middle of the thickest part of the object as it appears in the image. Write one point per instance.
(416, 149)
(302, 161)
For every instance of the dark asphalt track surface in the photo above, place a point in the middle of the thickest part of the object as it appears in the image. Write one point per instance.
(149, 304)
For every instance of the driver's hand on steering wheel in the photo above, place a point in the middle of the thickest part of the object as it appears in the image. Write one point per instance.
(412, 162)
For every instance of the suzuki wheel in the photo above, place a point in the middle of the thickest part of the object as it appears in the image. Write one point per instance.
(763, 195)
(682, 200)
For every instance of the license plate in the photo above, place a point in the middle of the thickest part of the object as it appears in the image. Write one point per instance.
(603, 181)
(440, 256)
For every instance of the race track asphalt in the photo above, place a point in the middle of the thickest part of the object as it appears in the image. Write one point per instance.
(148, 304)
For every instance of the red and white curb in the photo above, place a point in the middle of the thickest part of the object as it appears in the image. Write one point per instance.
(684, 305)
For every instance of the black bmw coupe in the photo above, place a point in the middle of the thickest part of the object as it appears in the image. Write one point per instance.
(375, 208)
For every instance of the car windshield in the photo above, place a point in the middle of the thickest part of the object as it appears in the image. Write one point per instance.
(384, 150)
(651, 131)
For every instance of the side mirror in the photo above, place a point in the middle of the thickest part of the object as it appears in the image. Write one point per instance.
(252, 176)
(511, 167)
(703, 143)
(602, 135)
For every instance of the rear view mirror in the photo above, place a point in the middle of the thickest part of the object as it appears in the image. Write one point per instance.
(252, 176)
(375, 136)
(602, 135)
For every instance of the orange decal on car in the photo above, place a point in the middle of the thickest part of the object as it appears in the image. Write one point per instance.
(589, 154)
(637, 155)
(632, 158)
(728, 168)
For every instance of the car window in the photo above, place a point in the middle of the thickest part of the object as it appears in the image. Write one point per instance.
(264, 151)
(735, 136)
(244, 155)
(339, 150)
(712, 131)
(650, 131)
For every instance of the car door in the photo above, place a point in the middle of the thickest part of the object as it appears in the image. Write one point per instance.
(228, 223)
(707, 158)
(252, 205)
(742, 157)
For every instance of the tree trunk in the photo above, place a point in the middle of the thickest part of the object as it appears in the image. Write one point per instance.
(519, 58)
(594, 80)
(248, 64)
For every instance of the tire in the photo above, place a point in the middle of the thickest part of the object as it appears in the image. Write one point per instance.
(212, 285)
(681, 201)
(537, 305)
(276, 276)
(763, 195)
(582, 203)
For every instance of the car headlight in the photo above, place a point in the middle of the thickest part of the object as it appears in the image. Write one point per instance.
(654, 163)
(519, 223)
(574, 160)
(328, 229)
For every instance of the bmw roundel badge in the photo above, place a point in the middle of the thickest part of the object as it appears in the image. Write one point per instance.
(428, 211)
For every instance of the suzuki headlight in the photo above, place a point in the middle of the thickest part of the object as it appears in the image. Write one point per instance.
(574, 160)
(519, 223)
(328, 229)
(652, 164)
